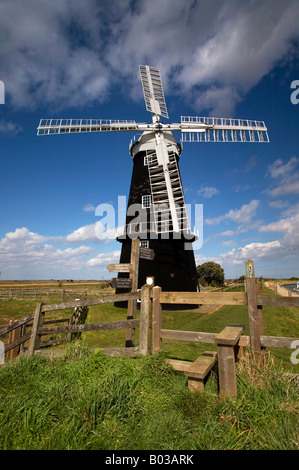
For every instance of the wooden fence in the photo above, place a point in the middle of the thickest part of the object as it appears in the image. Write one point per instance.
(229, 341)
(18, 333)
(33, 294)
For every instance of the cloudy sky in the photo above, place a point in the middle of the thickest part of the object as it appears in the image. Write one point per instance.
(75, 59)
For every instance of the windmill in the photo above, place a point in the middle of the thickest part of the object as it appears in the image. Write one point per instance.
(156, 186)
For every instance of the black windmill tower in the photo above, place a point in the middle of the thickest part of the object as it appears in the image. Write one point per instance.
(156, 212)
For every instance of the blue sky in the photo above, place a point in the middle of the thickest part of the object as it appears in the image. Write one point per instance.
(74, 59)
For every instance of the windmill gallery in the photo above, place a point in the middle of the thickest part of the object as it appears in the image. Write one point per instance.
(156, 188)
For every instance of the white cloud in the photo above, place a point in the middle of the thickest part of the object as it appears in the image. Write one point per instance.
(279, 169)
(243, 215)
(103, 259)
(290, 228)
(25, 254)
(279, 204)
(291, 186)
(70, 52)
(227, 233)
(287, 177)
(282, 225)
(286, 247)
(292, 210)
(96, 233)
(236, 256)
(9, 127)
(207, 192)
(228, 243)
(89, 208)
(21, 236)
(82, 234)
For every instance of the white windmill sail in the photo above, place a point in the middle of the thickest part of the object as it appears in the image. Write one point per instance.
(153, 90)
(166, 188)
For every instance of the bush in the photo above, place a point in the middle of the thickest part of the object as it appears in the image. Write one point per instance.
(211, 272)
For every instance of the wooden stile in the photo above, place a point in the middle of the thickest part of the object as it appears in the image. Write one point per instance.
(196, 371)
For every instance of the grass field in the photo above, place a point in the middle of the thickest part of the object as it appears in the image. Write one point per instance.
(86, 400)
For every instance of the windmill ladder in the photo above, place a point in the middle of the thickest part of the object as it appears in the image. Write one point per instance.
(160, 196)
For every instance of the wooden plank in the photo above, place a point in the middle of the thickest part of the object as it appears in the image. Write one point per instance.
(196, 385)
(198, 337)
(126, 352)
(53, 342)
(277, 342)
(95, 301)
(145, 321)
(37, 321)
(111, 325)
(188, 336)
(157, 319)
(17, 342)
(179, 365)
(70, 324)
(6, 329)
(277, 301)
(230, 335)
(119, 267)
(204, 298)
(201, 366)
(132, 303)
(255, 325)
(227, 371)
(14, 336)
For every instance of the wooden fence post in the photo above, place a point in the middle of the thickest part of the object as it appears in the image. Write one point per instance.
(157, 319)
(145, 321)
(37, 322)
(70, 323)
(226, 342)
(132, 303)
(255, 316)
(23, 332)
(13, 336)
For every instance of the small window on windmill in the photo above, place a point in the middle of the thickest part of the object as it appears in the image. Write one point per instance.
(146, 201)
(144, 243)
(148, 160)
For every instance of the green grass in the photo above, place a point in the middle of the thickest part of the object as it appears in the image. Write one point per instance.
(87, 400)
(278, 321)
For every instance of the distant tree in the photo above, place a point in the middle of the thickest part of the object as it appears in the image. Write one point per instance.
(211, 271)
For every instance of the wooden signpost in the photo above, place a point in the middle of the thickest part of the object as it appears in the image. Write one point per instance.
(119, 268)
(121, 283)
(147, 253)
(256, 325)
